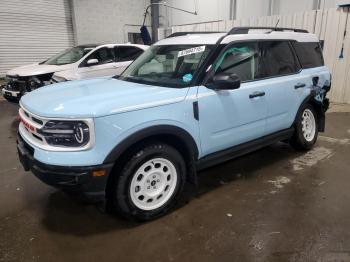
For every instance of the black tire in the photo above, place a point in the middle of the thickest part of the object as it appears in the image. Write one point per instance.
(119, 198)
(299, 141)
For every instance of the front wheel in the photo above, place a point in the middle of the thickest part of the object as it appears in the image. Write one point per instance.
(150, 182)
(306, 129)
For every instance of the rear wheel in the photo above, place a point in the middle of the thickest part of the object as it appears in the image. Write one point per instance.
(149, 183)
(306, 129)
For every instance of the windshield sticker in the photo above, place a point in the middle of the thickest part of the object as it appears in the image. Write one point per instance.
(194, 50)
(187, 78)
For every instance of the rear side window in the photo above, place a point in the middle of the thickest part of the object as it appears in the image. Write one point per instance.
(309, 54)
(126, 53)
(277, 59)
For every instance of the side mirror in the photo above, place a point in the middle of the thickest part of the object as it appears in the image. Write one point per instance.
(92, 62)
(226, 81)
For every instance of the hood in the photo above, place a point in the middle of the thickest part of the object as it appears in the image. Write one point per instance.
(97, 97)
(36, 69)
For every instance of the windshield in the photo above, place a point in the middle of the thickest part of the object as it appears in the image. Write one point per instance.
(69, 56)
(167, 65)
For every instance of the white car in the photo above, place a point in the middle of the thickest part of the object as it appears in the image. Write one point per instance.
(80, 62)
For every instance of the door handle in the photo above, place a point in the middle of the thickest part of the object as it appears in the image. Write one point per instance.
(299, 85)
(257, 94)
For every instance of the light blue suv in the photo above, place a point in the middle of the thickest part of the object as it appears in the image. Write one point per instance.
(189, 102)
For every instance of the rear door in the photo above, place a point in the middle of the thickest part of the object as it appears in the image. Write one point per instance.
(231, 117)
(104, 67)
(124, 56)
(286, 86)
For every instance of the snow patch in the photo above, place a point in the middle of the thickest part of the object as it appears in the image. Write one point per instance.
(279, 182)
(311, 158)
(344, 141)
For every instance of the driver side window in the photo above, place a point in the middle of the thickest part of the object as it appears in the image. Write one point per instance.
(104, 55)
(241, 59)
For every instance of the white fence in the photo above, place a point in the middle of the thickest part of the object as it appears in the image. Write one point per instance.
(330, 25)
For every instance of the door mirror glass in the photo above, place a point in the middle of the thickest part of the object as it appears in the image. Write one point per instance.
(92, 62)
(225, 81)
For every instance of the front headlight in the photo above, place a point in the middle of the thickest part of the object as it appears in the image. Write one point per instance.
(66, 133)
(34, 83)
(58, 79)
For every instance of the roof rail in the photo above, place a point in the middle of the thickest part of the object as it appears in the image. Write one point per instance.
(245, 30)
(192, 33)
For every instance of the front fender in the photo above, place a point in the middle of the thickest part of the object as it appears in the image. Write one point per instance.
(152, 131)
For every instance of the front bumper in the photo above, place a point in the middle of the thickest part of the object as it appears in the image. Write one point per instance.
(13, 96)
(69, 178)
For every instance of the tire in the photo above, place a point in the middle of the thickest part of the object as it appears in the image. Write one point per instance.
(149, 183)
(306, 129)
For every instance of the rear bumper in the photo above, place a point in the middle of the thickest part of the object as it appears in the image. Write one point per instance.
(70, 178)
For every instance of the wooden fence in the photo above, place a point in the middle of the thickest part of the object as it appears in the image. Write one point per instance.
(329, 25)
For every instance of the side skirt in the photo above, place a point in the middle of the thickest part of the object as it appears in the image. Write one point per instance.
(242, 149)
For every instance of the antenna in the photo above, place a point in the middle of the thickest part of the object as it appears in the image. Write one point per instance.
(278, 21)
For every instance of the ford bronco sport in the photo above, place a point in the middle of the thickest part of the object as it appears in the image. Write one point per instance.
(189, 102)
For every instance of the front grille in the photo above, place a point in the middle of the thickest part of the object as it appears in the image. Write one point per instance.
(36, 120)
(38, 137)
(31, 128)
(16, 85)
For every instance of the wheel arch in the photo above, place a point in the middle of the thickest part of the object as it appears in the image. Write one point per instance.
(318, 107)
(175, 136)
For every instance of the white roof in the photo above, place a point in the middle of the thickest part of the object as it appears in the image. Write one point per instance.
(210, 39)
(144, 47)
(193, 39)
(274, 35)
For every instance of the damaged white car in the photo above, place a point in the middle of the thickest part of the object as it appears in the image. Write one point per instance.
(80, 62)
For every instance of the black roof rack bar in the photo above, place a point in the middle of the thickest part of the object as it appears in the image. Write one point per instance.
(245, 30)
(192, 33)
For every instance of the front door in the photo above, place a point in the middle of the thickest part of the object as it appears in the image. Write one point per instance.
(105, 65)
(231, 117)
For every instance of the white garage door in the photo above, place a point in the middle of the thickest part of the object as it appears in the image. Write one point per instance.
(33, 30)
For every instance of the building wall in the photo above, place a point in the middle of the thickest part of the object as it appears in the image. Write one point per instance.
(208, 10)
(33, 31)
(107, 20)
(214, 10)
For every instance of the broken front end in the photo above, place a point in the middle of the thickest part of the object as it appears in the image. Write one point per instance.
(17, 86)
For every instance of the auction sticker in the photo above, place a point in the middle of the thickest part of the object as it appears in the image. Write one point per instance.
(194, 50)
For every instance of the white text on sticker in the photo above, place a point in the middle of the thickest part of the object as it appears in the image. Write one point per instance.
(194, 50)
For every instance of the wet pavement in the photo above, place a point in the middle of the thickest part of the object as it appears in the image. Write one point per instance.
(271, 205)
